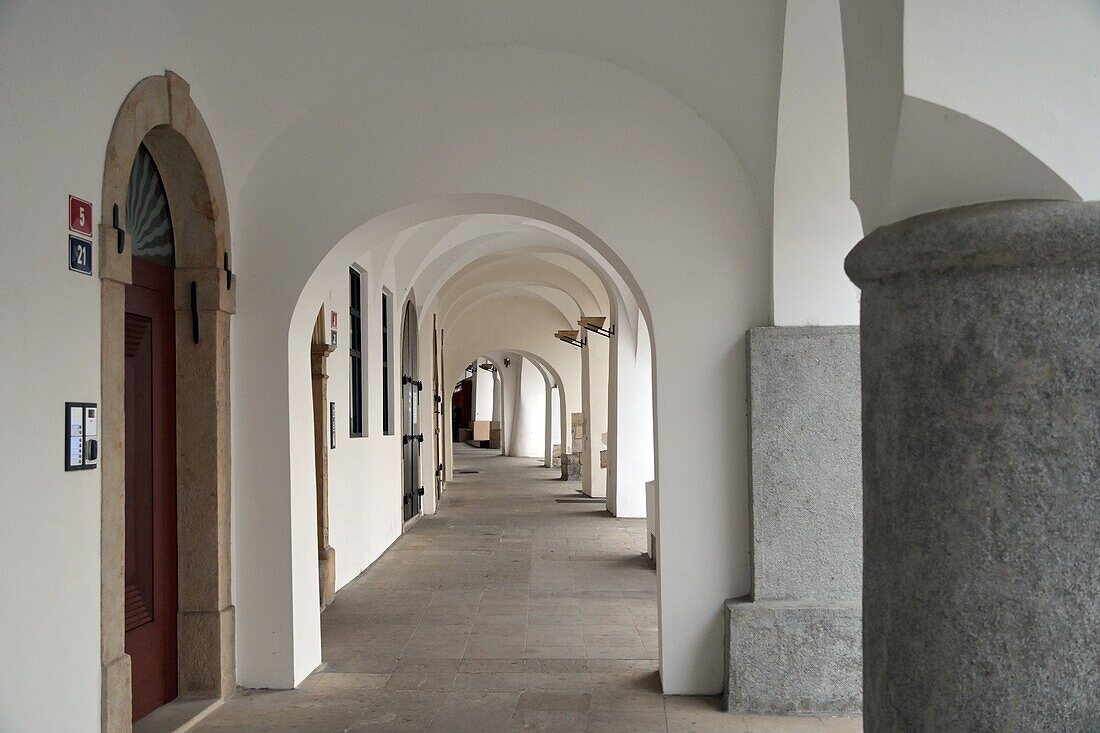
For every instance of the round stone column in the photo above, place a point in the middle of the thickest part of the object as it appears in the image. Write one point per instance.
(980, 341)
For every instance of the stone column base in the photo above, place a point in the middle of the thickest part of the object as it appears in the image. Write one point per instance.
(117, 712)
(793, 657)
(207, 653)
(326, 561)
(571, 469)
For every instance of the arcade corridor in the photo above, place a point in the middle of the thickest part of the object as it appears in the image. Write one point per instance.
(509, 609)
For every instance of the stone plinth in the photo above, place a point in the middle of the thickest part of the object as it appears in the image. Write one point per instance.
(571, 467)
(576, 420)
(981, 417)
(794, 645)
(787, 656)
(651, 518)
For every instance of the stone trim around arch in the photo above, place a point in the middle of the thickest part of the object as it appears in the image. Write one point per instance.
(159, 111)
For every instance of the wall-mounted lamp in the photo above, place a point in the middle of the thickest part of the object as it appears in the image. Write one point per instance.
(570, 337)
(595, 325)
(507, 362)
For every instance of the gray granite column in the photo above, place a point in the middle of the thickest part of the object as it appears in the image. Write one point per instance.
(981, 467)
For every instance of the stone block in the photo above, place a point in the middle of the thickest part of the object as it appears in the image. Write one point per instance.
(651, 518)
(481, 429)
(571, 467)
(795, 645)
(806, 479)
(793, 657)
(577, 425)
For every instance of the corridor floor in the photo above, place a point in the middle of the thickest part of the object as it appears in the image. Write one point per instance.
(507, 610)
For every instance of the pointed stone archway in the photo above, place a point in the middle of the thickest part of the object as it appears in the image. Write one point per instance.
(159, 113)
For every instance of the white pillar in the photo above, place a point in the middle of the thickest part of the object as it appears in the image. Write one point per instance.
(483, 393)
(630, 419)
(448, 437)
(548, 420)
(594, 405)
(498, 411)
(528, 426)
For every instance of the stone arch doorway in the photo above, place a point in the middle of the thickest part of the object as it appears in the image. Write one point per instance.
(319, 351)
(159, 119)
(411, 435)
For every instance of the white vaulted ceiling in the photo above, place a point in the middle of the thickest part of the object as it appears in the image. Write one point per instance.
(259, 64)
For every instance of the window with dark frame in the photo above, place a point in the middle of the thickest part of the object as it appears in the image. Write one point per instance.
(387, 357)
(355, 352)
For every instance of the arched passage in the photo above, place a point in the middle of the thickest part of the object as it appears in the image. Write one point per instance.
(536, 290)
(722, 247)
(554, 407)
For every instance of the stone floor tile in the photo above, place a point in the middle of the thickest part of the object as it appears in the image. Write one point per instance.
(363, 662)
(400, 710)
(695, 714)
(476, 712)
(557, 681)
(423, 674)
(781, 724)
(627, 721)
(842, 724)
(539, 651)
(489, 682)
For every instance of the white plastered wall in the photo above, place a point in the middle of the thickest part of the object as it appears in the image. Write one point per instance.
(1026, 68)
(64, 71)
(364, 472)
(952, 104)
(815, 223)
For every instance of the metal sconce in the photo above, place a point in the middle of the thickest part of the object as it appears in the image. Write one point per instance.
(570, 337)
(595, 325)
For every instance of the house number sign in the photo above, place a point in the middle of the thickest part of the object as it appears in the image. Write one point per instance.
(80, 247)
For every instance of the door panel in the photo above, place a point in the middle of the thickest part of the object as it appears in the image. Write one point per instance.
(412, 435)
(151, 573)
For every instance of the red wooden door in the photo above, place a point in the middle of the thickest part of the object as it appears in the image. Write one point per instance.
(151, 575)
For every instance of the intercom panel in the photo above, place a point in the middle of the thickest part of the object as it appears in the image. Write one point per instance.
(81, 436)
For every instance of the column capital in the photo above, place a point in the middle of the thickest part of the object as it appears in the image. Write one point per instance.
(1018, 233)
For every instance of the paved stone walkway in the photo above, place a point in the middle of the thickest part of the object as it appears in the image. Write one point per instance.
(508, 610)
